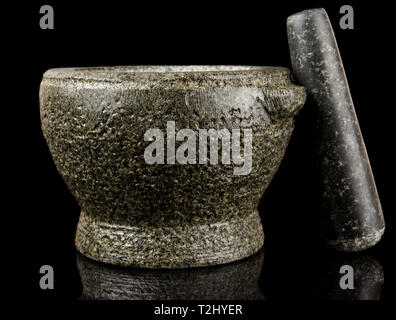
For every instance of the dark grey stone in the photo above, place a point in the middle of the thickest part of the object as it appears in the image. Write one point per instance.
(353, 218)
(165, 215)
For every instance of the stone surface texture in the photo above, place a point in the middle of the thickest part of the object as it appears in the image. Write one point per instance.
(169, 215)
(353, 218)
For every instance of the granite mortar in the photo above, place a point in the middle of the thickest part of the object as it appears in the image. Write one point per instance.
(165, 216)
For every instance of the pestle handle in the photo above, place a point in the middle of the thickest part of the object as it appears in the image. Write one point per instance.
(352, 214)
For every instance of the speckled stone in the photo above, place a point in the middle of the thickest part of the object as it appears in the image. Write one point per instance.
(165, 216)
(233, 281)
(353, 218)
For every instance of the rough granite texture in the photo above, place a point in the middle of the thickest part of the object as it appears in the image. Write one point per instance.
(165, 216)
(233, 281)
(353, 218)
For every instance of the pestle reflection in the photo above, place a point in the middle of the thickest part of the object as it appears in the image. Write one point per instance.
(368, 279)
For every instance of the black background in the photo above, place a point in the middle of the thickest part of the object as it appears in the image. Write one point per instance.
(128, 33)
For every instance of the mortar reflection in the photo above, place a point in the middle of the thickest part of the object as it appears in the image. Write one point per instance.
(233, 281)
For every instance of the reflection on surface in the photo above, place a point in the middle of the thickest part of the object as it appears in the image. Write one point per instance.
(236, 280)
(368, 279)
(233, 281)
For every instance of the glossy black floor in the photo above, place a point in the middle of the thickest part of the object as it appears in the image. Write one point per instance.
(295, 263)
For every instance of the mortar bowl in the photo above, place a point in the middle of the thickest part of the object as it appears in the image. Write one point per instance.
(168, 163)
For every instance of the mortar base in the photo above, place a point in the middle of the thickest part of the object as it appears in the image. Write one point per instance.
(180, 246)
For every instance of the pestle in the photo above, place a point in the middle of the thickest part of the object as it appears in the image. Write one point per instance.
(352, 214)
